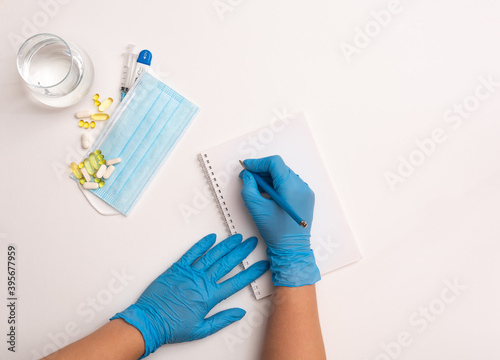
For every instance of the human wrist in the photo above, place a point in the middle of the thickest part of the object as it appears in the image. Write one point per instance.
(137, 317)
(134, 339)
(293, 268)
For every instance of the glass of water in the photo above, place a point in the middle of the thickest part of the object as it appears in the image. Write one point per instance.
(57, 72)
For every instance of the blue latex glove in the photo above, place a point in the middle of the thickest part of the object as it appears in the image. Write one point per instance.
(288, 243)
(174, 306)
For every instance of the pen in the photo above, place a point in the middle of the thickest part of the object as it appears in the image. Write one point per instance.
(277, 198)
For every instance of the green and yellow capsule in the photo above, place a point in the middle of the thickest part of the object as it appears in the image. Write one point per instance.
(88, 167)
(93, 161)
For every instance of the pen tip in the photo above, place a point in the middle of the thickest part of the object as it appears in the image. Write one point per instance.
(303, 224)
(241, 162)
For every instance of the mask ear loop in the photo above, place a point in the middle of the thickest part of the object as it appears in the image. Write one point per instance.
(91, 202)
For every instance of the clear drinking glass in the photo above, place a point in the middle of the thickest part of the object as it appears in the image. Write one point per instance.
(57, 72)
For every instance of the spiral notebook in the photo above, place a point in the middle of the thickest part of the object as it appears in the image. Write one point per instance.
(290, 137)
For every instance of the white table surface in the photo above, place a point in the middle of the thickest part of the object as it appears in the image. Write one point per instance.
(440, 225)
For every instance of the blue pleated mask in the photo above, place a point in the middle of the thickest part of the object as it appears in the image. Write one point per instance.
(142, 131)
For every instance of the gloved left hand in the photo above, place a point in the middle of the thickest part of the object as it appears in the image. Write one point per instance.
(173, 308)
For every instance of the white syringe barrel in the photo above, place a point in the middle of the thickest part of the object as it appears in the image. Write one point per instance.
(129, 60)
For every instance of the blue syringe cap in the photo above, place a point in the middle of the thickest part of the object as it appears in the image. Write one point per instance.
(145, 57)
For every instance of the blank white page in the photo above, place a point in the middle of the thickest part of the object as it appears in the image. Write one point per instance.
(331, 237)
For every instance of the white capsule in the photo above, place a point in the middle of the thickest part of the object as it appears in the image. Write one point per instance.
(90, 185)
(85, 140)
(101, 171)
(83, 114)
(85, 173)
(113, 161)
(108, 172)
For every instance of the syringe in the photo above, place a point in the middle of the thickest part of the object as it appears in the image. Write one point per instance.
(129, 59)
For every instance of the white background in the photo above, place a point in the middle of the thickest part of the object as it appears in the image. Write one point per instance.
(239, 68)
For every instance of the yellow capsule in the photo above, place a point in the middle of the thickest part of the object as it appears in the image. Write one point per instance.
(97, 103)
(96, 97)
(82, 181)
(102, 162)
(80, 123)
(105, 104)
(101, 184)
(89, 167)
(81, 165)
(86, 125)
(100, 156)
(97, 152)
(76, 170)
(93, 161)
(97, 180)
(99, 116)
(92, 124)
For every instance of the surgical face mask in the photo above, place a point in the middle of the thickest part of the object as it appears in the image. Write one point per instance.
(142, 131)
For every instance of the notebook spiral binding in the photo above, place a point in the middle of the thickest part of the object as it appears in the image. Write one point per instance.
(223, 210)
(215, 188)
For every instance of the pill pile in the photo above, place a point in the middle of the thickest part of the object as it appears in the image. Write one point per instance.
(94, 170)
(94, 116)
(99, 116)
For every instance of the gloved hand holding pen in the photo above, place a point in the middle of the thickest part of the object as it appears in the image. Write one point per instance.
(288, 244)
(293, 330)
